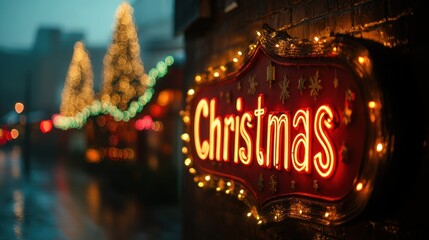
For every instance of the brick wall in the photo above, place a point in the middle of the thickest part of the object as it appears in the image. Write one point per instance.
(223, 34)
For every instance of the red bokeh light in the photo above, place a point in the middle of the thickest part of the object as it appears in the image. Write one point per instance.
(46, 126)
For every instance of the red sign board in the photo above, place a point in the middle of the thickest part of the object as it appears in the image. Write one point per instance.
(297, 133)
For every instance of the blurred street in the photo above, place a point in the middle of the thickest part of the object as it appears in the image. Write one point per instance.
(60, 200)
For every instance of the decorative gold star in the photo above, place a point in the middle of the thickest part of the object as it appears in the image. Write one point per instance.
(261, 182)
(284, 89)
(253, 84)
(347, 116)
(271, 74)
(315, 85)
(292, 184)
(274, 183)
(315, 185)
(350, 95)
(301, 84)
(347, 113)
(335, 82)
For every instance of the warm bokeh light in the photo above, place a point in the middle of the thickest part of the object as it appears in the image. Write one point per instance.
(92, 155)
(372, 104)
(14, 133)
(165, 97)
(188, 161)
(359, 186)
(361, 60)
(46, 126)
(19, 107)
(156, 110)
(144, 123)
(197, 78)
(191, 92)
(379, 147)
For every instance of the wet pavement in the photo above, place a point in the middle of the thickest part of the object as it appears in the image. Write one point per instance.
(60, 201)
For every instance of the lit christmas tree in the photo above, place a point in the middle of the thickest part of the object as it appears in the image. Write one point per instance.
(78, 90)
(124, 77)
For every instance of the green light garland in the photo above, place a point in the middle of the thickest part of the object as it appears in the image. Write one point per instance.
(97, 108)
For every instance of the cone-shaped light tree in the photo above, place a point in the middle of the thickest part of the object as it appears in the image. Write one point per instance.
(78, 91)
(124, 77)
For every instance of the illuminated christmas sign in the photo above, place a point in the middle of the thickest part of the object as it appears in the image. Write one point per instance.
(294, 132)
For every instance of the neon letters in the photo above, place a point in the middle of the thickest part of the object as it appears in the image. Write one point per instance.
(279, 139)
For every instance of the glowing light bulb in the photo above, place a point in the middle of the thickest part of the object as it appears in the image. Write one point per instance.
(191, 92)
(361, 60)
(186, 119)
(188, 161)
(379, 147)
(359, 186)
(197, 78)
(185, 137)
(372, 104)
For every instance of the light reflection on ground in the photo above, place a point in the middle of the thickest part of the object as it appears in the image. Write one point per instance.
(63, 202)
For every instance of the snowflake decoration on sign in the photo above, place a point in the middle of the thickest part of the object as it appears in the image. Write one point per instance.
(301, 84)
(253, 84)
(274, 183)
(315, 85)
(284, 88)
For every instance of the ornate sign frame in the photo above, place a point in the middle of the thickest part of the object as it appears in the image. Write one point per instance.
(295, 128)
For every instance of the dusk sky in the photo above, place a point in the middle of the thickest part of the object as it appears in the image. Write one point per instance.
(20, 19)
